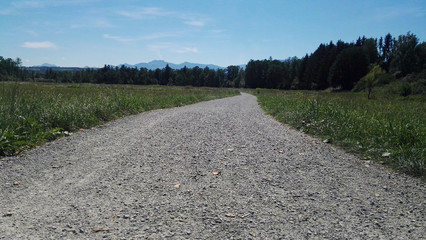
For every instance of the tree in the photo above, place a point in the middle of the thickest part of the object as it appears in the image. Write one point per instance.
(386, 48)
(404, 54)
(350, 65)
(370, 80)
(196, 73)
(370, 47)
(251, 74)
(157, 76)
(210, 79)
(421, 57)
(232, 73)
(302, 82)
(220, 78)
(274, 74)
(182, 77)
(291, 67)
(167, 75)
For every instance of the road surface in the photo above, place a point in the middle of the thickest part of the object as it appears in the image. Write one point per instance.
(214, 170)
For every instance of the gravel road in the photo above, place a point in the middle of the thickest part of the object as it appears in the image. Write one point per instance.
(214, 170)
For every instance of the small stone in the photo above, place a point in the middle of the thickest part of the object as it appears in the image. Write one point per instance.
(386, 154)
(100, 229)
(8, 214)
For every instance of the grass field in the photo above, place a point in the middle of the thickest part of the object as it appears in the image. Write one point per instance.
(32, 114)
(390, 129)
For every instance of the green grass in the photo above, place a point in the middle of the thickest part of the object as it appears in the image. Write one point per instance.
(389, 129)
(31, 114)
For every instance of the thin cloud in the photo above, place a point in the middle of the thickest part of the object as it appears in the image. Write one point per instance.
(118, 38)
(28, 4)
(39, 45)
(217, 31)
(159, 12)
(6, 12)
(14, 7)
(186, 50)
(48, 3)
(153, 36)
(396, 12)
(33, 33)
(102, 23)
(145, 12)
(160, 46)
(195, 23)
(97, 23)
(159, 36)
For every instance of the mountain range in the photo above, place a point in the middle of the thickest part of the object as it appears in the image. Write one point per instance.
(162, 64)
(149, 65)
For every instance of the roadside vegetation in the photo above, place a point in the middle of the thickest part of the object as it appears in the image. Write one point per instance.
(32, 114)
(389, 128)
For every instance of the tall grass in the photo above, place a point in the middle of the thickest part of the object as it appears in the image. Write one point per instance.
(390, 129)
(31, 114)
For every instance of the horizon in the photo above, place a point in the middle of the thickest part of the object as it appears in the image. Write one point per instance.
(76, 33)
(46, 64)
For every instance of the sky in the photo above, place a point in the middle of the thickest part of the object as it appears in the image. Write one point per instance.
(79, 33)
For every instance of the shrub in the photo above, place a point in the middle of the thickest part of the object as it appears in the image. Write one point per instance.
(405, 89)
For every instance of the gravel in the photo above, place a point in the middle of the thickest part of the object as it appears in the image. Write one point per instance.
(214, 170)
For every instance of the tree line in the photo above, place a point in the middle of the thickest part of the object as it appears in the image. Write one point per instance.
(340, 65)
(337, 65)
(229, 77)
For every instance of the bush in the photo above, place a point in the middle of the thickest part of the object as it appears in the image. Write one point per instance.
(419, 87)
(405, 89)
(386, 79)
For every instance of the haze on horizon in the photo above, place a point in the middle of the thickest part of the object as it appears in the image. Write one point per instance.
(78, 33)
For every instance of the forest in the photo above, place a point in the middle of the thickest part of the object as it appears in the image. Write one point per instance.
(339, 66)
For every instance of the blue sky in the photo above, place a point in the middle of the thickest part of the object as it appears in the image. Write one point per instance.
(222, 32)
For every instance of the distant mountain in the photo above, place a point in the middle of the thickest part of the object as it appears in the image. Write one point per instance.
(46, 65)
(150, 65)
(162, 64)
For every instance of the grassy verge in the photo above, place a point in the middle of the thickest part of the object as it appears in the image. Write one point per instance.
(31, 114)
(389, 129)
